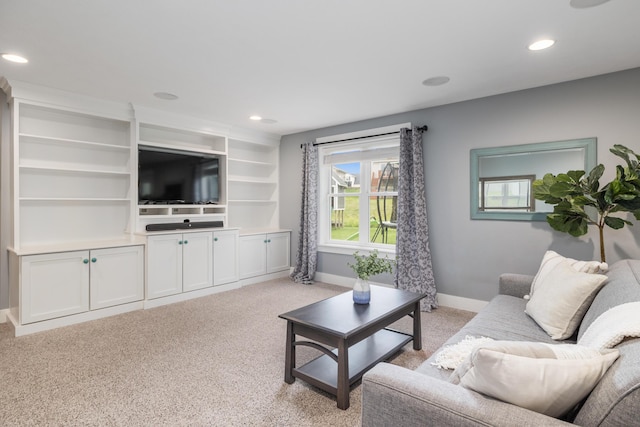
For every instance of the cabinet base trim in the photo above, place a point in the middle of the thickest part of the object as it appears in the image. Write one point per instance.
(46, 325)
(3, 315)
(263, 278)
(157, 302)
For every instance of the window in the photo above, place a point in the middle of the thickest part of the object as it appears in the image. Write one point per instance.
(507, 193)
(358, 193)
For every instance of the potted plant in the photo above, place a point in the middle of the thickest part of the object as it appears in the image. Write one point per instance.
(574, 193)
(365, 267)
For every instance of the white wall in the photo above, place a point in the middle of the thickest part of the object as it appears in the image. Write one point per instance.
(469, 255)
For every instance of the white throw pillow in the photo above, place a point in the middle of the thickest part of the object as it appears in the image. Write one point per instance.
(547, 378)
(551, 259)
(562, 298)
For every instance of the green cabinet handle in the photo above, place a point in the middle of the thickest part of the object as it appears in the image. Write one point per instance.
(180, 242)
(265, 240)
(93, 260)
(186, 241)
(86, 261)
(215, 239)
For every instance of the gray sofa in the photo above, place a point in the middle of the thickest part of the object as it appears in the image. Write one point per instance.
(397, 396)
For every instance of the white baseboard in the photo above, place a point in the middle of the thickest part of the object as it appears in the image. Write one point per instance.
(445, 300)
(3, 315)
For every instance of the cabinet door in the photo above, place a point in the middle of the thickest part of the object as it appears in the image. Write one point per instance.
(116, 276)
(197, 261)
(252, 257)
(54, 285)
(278, 252)
(225, 257)
(164, 265)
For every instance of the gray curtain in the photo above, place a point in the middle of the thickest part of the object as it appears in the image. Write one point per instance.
(414, 271)
(307, 257)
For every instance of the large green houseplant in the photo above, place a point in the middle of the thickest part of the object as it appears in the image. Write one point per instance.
(575, 192)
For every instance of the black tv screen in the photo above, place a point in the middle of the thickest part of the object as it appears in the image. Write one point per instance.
(177, 177)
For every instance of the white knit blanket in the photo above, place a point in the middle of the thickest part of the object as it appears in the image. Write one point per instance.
(452, 355)
(613, 326)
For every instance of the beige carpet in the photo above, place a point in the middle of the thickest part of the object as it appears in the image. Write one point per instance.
(216, 360)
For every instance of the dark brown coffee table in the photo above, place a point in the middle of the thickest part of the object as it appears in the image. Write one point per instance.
(356, 333)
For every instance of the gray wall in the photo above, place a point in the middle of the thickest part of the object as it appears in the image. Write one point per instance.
(469, 255)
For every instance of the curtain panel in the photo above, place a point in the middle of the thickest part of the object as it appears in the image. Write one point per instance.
(307, 255)
(414, 271)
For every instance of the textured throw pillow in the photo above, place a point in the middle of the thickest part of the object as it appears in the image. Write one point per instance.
(547, 378)
(562, 298)
(551, 259)
(613, 326)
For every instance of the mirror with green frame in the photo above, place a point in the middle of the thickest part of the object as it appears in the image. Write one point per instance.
(502, 177)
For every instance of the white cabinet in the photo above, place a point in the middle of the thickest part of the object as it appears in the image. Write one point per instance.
(61, 284)
(116, 276)
(264, 253)
(179, 263)
(225, 257)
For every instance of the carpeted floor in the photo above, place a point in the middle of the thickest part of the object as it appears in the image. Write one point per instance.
(211, 361)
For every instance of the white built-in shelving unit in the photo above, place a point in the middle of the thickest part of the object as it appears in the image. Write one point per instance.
(253, 185)
(74, 176)
(79, 249)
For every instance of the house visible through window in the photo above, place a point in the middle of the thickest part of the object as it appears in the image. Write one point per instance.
(513, 193)
(358, 193)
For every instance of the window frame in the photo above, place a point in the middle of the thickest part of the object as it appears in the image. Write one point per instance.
(354, 142)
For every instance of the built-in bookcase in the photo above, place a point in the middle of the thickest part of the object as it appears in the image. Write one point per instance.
(253, 185)
(73, 180)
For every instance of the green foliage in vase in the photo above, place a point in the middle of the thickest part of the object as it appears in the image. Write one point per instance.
(371, 265)
(574, 192)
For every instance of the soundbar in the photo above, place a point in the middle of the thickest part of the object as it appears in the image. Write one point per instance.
(183, 225)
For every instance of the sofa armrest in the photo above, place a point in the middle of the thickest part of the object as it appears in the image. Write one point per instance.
(516, 285)
(392, 395)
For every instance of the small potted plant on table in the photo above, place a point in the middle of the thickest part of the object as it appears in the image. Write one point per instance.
(365, 267)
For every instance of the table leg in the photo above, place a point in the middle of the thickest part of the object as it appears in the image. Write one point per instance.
(290, 355)
(417, 328)
(343, 375)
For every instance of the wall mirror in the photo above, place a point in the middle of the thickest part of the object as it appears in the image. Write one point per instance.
(501, 177)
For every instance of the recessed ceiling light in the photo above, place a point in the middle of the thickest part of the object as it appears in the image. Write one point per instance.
(542, 44)
(256, 118)
(166, 96)
(436, 81)
(15, 58)
(583, 4)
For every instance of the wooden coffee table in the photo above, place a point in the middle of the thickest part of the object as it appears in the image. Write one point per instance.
(356, 333)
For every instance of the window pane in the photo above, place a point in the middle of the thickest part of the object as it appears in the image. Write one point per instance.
(383, 222)
(345, 218)
(345, 176)
(384, 176)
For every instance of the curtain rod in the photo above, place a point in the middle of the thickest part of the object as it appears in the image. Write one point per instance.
(420, 128)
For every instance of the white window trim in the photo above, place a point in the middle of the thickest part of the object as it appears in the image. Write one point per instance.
(324, 242)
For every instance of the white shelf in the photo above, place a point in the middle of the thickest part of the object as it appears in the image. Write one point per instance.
(100, 145)
(71, 199)
(72, 169)
(252, 162)
(253, 201)
(236, 179)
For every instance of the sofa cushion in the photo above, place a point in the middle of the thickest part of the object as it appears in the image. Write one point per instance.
(562, 298)
(546, 378)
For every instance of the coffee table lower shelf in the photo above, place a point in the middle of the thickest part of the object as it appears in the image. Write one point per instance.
(322, 372)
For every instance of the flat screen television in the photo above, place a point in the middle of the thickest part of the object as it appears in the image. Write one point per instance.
(168, 176)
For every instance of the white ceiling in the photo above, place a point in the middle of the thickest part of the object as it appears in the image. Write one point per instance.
(310, 63)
